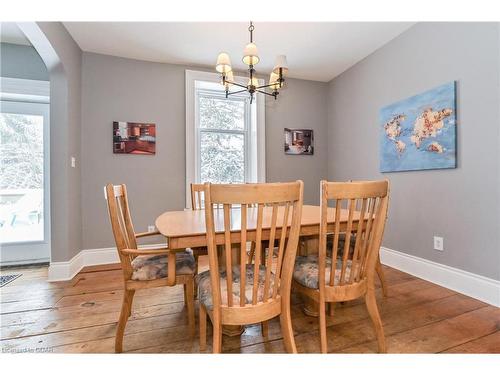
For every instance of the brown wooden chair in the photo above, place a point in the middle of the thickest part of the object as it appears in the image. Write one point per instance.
(352, 244)
(378, 267)
(149, 268)
(197, 196)
(351, 275)
(233, 292)
(197, 203)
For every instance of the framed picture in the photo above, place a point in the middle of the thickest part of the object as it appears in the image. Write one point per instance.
(299, 141)
(419, 132)
(134, 138)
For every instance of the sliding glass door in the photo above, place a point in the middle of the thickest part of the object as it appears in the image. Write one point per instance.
(24, 182)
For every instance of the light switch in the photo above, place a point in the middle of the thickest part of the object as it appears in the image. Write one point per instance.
(73, 162)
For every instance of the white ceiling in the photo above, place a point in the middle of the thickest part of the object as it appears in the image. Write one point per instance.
(11, 33)
(315, 51)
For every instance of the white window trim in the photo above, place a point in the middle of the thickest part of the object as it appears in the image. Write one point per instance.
(191, 137)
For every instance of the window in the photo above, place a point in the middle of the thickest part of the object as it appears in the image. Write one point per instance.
(224, 136)
(223, 128)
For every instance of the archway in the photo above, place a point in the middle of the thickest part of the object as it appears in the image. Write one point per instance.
(62, 57)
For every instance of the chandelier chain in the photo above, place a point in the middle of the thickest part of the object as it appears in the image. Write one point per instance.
(251, 28)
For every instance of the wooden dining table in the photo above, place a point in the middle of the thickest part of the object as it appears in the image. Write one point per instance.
(186, 229)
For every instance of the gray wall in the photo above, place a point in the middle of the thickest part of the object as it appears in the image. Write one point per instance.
(459, 204)
(19, 61)
(63, 57)
(129, 90)
(301, 104)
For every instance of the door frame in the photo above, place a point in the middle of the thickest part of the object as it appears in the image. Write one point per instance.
(30, 97)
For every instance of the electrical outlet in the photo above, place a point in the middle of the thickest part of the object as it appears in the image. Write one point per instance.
(151, 228)
(438, 243)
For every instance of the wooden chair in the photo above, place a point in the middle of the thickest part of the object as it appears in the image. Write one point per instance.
(335, 279)
(378, 267)
(149, 268)
(197, 203)
(233, 292)
(197, 194)
(352, 244)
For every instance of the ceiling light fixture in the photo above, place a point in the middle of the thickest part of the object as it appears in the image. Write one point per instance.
(251, 58)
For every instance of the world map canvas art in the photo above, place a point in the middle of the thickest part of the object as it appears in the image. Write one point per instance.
(419, 132)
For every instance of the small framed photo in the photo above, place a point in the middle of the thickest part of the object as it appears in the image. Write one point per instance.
(134, 138)
(299, 141)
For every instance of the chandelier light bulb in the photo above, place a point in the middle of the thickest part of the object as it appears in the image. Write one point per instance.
(223, 63)
(273, 81)
(282, 64)
(230, 78)
(251, 54)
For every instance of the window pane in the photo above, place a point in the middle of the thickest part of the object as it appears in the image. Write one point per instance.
(222, 158)
(21, 178)
(221, 113)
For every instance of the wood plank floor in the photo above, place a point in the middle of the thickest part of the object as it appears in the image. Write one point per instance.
(79, 316)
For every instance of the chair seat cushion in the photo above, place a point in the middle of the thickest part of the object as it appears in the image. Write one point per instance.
(151, 267)
(341, 244)
(205, 286)
(306, 271)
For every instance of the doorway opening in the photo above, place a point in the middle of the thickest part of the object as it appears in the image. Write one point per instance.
(24, 158)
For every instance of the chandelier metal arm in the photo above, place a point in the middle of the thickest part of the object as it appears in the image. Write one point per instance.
(264, 86)
(235, 92)
(240, 85)
(234, 83)
(267, 93)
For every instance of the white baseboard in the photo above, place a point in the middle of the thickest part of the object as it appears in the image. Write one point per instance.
(28, 262)
(63, 271)
(476, 286)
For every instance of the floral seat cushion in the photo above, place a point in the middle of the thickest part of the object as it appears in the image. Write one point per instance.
(306, 271)
(341, 243)
(205, 286)
(151, 267)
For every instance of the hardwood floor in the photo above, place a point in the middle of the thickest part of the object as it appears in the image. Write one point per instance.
(80, 316)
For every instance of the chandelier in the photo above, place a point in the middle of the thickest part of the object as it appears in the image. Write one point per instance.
(251, 58)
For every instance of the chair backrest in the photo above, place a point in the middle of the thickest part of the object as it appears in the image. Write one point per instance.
(121, 223)
(252, 212)
(364, 204)
(197, 196)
